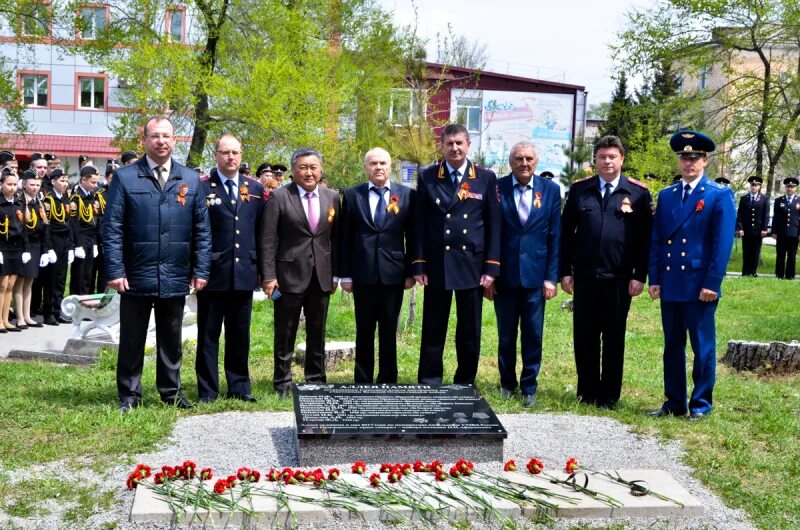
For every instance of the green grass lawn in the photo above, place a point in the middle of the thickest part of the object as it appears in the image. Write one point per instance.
(747, 450)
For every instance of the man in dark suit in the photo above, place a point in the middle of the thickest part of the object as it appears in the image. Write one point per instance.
(605, 243)
(158, 244)
(299, 244)
(375, 265)
(531, 221)
(752, 222)
(235, 207)
(786, 229)
(693, 230)
(457, 250)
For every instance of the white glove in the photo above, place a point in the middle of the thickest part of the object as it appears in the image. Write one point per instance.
(70, 257)
(80, 253)
(51, 256)
(95, 252)
(26, 257)
(44, 261)
(1, 258)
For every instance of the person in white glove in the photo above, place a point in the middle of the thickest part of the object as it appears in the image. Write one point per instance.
(63, 241)
(94, 251)
(80, 253)
(84, 209)
(51, 256)
(36, 225)
(70, 257)
(12, 243)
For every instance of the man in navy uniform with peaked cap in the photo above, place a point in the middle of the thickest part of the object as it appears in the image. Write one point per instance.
(692, 239)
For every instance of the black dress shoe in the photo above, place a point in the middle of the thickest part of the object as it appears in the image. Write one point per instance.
(128, 406)
(35, 325)
(248, 398)
(64, 320)
(659, 413)
(50, 320)
(697, 415)
(14, 329)
(3, 329)
(23, 327)
(179, 401)
(207, 399)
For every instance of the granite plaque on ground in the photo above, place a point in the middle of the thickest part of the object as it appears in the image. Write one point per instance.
(338, 424)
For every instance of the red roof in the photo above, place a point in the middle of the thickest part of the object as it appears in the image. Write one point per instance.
(26, 144)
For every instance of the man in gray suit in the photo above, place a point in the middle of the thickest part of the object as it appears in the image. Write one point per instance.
(299, 237)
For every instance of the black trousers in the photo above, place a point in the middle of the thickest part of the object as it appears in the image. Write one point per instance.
(134, 314)
(234, 308)
(54, 276)
(80, 282)
(98, 282)
(600, 312)
(377, 305)
(435, 317)
(785, 256)
(751, 250)
(314, 303)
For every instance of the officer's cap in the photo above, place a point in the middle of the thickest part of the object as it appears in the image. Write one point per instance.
(127, 156)
(244, 166)
(790, 181)
(50, 156)
(722, 180)
(89, 170)
(546, 174)
(676, 178)
(278, 168)
(691, 144)
(5, 156)
(755, 179)
(30, 174)
(56, 173)
(37, 156)
(262, 168)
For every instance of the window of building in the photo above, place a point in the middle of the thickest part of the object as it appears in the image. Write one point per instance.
(93, 21)
(34, 90)
(404, 109)
(468, 113)
(35, 19)
(92, 92)
(704, 78)
(175, 22)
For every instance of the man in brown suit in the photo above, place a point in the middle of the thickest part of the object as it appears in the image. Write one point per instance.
(298, 264)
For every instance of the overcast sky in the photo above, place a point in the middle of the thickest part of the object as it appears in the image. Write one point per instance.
(562, 40)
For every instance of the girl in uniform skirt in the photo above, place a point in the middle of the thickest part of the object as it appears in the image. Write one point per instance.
(13, 243)
(36, 225)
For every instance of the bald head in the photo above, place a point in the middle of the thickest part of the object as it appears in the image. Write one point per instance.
(378, 166)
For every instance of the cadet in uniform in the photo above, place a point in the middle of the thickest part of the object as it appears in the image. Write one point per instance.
(235, 206)
(13, 244)
(692, 240)
(128, 157)
(457, 251)
(83, 207)
(786, 228)
(752, 225)
(64, 240)
(605, 243)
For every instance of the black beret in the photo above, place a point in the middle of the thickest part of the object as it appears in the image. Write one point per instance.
(89, 170)
(56, 173)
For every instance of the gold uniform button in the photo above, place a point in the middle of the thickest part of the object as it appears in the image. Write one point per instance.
(667, 267)
(237, 232)
(447, 231)
(669, 241)
(236, 218)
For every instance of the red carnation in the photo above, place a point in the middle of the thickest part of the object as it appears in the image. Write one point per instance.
(375, 480)
(359, 468)
(406, 469)
(169, 471)
(571, 466)
(454, 472)
(189, 469)
(436, 465)
(420, 467)
(510, 466)
(160, 478)
(287, 472)
(441, 476)
(232, 481)
(318, 477)
(243, 473)
(274, 475)
(206, 474)
(333, 473)
(289, 479)
(220, 486)
(385, 468)
(535, 466)
(699, 207)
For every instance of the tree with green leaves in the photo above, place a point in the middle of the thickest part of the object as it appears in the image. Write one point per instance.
(739, 59)
(579, 159)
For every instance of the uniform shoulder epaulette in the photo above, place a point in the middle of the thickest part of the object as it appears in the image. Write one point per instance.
(637, 183)
(584, 179)
(205, 178)
(716, 185)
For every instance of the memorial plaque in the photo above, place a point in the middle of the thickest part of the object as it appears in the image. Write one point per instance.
(428, 419)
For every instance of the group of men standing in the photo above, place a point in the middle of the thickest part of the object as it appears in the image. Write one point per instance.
(462, 233)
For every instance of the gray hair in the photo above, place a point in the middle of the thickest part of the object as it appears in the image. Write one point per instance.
(226, 135)
(520, 145)
(377, 151)
(305, 151)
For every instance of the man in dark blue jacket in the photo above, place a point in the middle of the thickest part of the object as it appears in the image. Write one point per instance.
(457, 251)
(786, 229)
(158, 244)
(375, 265)
(531, 214)
(235, 204)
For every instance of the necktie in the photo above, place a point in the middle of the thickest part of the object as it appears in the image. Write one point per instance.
(380, 209)
(231, 189)
(606, 194)
(313, 215)
(455, 174)
(524, 208)
(752, 200)
(162, 181)
(686, 191)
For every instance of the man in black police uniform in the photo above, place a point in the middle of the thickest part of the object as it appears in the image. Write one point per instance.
(457, 250)
(375, 244)
(235, 206)
(752, 222)
(64, 238)
(84, 207)
(786, 228)
(605, 245)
